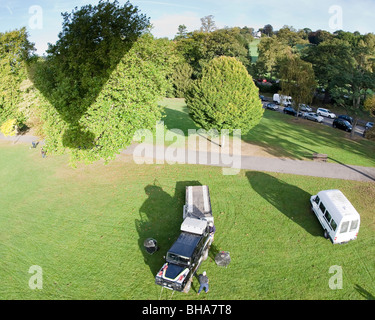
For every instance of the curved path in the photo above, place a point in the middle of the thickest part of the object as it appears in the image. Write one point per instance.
(280, 165)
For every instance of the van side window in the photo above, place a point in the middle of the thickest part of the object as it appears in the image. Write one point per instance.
(317, 200)
(328, 217)
(333, 225)
(354, 225)
(322, 207)
(344, 227)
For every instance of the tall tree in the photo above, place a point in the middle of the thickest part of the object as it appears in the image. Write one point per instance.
(268, 30)
(225, 97)
(297, 80)
(199, 47)
(270, 50)
(353, 76)
(290, 36)
(182, 32)
(323, 57)
(208, 24)
(101, 81)
(15, 51)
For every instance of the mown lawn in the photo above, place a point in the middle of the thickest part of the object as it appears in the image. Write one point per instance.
(281, 135)
(85, 227)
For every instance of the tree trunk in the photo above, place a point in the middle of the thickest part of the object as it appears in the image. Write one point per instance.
(222, 141)
(327, 97)
(355, 122)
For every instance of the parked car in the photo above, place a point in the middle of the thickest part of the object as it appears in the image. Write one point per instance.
(325, 113)
(342, 124)
(262, 97)
(305, 108)
(291, 111)
(313, 117)
(272, 106)
(347, 118)
(369, 125)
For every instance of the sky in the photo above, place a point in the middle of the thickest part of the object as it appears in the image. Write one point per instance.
(43, 20)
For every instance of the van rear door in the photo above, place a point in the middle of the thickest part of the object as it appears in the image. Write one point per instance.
(348, 231)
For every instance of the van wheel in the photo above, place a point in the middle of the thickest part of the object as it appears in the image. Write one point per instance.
(326, 234)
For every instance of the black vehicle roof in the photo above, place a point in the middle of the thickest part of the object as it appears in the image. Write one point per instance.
(185, 244)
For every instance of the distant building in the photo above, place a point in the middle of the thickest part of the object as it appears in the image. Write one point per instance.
(257, 34)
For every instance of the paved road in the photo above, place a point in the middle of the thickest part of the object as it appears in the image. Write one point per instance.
(328, 122)
(280, 165)
(22, 139)
(297, 167)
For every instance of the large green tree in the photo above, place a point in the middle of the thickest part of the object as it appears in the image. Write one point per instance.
(353, 76)
(270, 50)
(225, 97)
(198, 48)
(15, 50)
(297, 80)
(101, 81)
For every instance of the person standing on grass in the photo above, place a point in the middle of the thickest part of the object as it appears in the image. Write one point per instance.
(203, 281)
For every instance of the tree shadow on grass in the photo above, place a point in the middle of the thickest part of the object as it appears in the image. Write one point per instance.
(161, 218)
(285, 136)
(364, 293)
(176, 119)
(290, 200)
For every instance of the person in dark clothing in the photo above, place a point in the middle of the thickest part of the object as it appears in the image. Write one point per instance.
(212, 230)
(203, 281)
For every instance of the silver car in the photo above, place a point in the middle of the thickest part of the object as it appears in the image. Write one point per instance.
(326, 113)
(313, 117)
(305, 108)
(369, 125)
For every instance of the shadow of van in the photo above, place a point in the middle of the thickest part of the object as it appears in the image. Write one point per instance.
(290, 200)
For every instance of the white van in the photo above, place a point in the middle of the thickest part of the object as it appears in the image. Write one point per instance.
(339, 219)
(284, 100)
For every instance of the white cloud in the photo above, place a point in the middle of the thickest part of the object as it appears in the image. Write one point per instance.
(167, 24)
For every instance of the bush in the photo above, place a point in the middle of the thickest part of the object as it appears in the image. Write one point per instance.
(8, 128)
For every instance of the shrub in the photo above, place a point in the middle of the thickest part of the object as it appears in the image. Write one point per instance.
(8, 128)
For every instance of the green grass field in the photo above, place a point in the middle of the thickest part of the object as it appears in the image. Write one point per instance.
(284, 136)
(254, 50)
(85, 227)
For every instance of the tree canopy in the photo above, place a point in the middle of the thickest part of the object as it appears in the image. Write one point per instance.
(101, 81)
(15, 51)
(225, 97)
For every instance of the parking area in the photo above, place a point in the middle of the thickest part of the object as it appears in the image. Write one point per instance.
(326, 121)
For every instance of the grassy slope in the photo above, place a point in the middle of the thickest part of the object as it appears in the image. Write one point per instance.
(284, 136)
(86, 227)
(254, 50)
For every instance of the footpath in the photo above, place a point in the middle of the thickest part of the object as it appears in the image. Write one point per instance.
(279, 165)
